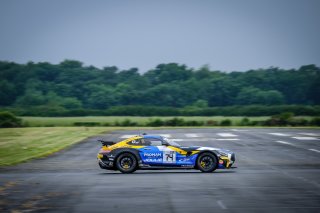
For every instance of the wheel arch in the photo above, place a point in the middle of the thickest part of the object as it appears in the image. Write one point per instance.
(134, 152)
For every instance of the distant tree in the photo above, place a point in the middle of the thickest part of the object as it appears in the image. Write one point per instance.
(7, 119)
(108, 76)
(7, 93)
(100, 96)
(203, 73)
(100, 100)
(31, 98)
(70, 85)
(271, 97)
(70, 103)
(222, 91)
(200, 103)
(314, 91)
(64, 90)
(71, 64)
(165, 73)
(46, 71)
(251, 95)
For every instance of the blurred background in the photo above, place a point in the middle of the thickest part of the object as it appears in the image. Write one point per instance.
(160, 58)
(75, 69)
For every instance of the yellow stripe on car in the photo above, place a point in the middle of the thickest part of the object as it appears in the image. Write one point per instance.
(124, 142)
(180, 151)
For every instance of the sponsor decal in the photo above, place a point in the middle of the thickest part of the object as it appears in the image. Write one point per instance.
(186, 165)
(184, 160)
(152, 154)
(135, 142)
(158, 160)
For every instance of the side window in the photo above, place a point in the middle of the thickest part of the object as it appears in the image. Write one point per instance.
(153, 142)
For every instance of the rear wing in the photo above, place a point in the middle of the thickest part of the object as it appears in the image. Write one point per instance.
(107, 143)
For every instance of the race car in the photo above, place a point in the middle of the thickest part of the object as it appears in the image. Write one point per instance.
(157, 152)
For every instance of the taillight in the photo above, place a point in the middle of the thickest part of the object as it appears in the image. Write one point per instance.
(102, 151)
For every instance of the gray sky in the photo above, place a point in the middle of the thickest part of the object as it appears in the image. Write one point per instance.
(226, 34)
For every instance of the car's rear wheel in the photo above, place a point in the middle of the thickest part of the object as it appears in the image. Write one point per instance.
(126, 163)
(207, 162)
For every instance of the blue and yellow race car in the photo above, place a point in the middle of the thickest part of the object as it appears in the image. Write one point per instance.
(157, 152)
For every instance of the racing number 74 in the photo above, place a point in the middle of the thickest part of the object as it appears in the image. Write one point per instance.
(169, 156)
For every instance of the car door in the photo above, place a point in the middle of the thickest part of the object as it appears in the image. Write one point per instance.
(150, 153)
(156, 153)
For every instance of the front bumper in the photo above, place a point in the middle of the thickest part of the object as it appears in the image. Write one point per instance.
(225, 162)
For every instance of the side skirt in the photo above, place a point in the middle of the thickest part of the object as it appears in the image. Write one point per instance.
(155, 167)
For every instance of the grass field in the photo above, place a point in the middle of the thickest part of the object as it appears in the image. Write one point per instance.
(21, 144)
(102, 120)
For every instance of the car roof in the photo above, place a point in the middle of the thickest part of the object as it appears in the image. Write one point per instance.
(153, 136)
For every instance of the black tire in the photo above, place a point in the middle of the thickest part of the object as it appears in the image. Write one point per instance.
(207, 162)
(126, 163)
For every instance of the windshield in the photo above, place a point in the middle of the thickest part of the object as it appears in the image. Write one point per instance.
(171, 142)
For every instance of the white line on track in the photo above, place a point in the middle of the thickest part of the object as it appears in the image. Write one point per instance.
(240, 130)
(127, 136)
(309, 134)
(191, 135)
(315, 150)
(165, 135)
(221, 205)
(283, 142)
(204, 139)
(177, 139)
(306, 138)
(191, 139)
(227, 135)
(287, 143)
(227, 139)
(199, 139)
(278, 134)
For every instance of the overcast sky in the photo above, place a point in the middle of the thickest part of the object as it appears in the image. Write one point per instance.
(226, 34)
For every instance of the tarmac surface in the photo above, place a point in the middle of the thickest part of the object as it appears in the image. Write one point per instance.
(278, 170)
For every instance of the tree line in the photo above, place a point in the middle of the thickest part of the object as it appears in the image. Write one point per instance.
(72, 87)
(7, 120)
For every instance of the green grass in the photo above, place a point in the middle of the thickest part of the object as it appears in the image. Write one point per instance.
(21, 144)
(69, 121)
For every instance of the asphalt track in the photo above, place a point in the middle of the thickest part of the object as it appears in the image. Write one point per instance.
(278, 170)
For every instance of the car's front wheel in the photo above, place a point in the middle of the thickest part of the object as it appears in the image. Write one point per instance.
(126, 163)
(207, 162)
